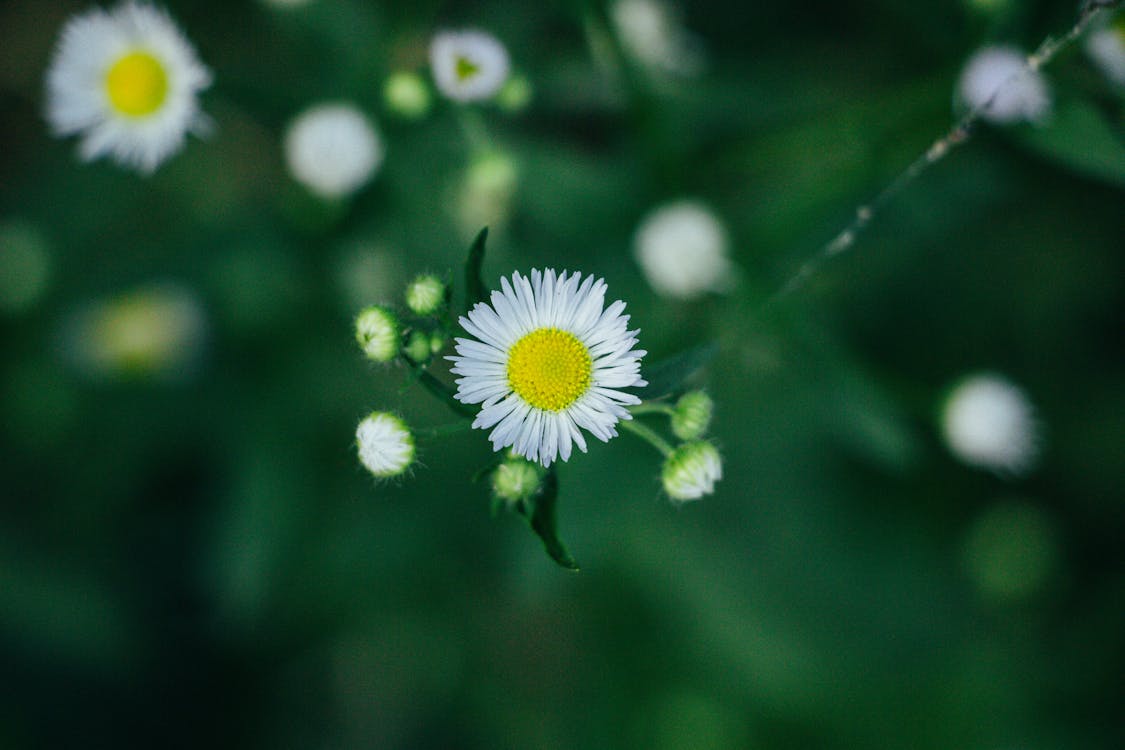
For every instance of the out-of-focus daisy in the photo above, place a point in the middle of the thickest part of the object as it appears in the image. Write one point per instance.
(997, 81)
(126, 80)
(155, 331)
(468, 66)
(547, 360)
(333, 149)
(988, 422)
(385, 445)
(682, 250)
(651, 33)
(691, 471)
(1106, 47)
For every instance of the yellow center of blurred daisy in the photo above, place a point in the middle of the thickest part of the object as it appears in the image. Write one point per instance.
(549, 368)
(466, 68)
(137, 84)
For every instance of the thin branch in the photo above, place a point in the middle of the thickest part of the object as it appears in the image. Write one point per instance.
(959, 134)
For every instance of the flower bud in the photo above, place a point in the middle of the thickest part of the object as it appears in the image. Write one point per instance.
(692, 415)
(515, 94)
(407, 95)
(417, 348)
(425, 295)
(516, 479)
(437, 342)
(385, 445)
(377, 333)
(691, 470)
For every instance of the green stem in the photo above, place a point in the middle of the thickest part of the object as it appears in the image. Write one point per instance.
(444, 392)
(648, 435)
(474, 129)
(651, 407)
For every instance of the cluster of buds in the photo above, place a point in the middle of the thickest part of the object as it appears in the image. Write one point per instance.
(384, 335)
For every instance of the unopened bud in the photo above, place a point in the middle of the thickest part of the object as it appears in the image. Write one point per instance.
(516, 479)
(425, 295)
(691, 470)
(407, 95)
(385, 445)
(417, 347)
(692, 415)
(377, 333)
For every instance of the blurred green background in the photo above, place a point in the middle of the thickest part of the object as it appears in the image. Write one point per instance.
(191, 556)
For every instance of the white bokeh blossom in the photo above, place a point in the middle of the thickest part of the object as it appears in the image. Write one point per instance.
(333, 149)
(682, 249)
(468, 65)
(997, 82)
(988, 422)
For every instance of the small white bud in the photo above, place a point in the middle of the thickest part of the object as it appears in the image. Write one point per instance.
(377, 333)
(407, 95)
(425, 295)
(691, 470)
(333, 150)
(692, 415)
(682, 250)
(989, 423)
(515, 95)
(997, 82)
(1106, 47)
(385, 445)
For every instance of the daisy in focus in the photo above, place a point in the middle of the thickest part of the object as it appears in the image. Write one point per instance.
(468, 66)
(127, 81)
(546, 361)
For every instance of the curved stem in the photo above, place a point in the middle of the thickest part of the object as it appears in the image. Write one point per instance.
(651, 407)
(647, 434)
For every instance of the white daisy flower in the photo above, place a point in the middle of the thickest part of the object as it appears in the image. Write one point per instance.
(682, 249)
(547, 358)
(691, 471)
(127, 80)
(997, 81)
(385, 445)
(988, 422)
(468, 66)
(1106, 47)
(333, 150)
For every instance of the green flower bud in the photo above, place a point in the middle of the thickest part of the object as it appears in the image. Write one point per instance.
(691, 470)
(692, 415)
(377, 333)
(385, 445)
(425, 295)
(516, 479)
(417, 347)
(437, 342)
(515, 95)
(407, 95)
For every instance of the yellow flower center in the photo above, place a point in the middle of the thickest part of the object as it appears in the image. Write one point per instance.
(549, 368)
(137, 84)
(466, 68)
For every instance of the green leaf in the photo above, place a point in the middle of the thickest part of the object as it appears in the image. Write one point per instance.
(475, 289)
(667, 375)
(540, 513)
(1083, 138)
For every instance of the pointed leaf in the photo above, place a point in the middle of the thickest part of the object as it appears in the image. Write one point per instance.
(475, 290)
(540, 513)
(668, 375)
(1081, 137)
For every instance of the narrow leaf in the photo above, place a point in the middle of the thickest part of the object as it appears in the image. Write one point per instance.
(668, 375)
(475, 290)
(1083, 138)
(540, 513)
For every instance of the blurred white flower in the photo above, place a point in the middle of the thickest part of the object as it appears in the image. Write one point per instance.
(691, 471)
(468, 66)
(997, 81)
(651, 33)
(682, 250)
(1106, 47)
(286, 4)
(333, 149)
(152, 331)
(385, 445)
(126, 80)
(989, 423)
